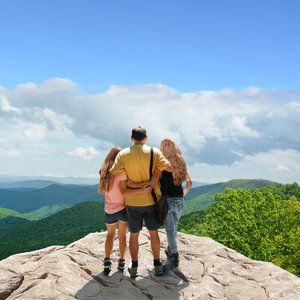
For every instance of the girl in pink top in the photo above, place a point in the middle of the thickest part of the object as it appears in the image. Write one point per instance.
(115, 211)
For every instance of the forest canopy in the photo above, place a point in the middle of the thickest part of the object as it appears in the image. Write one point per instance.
(263, 224)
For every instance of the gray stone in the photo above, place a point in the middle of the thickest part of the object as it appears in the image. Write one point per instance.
(208, 270)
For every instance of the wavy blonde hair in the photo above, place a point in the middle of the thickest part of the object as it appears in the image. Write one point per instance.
(104, 173)
(171, 151)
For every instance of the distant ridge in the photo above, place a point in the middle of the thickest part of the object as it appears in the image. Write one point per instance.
(27, 184)
(59, 180)
(55, 194)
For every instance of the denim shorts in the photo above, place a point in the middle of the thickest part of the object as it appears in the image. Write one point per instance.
(139, 214)
(116, 217)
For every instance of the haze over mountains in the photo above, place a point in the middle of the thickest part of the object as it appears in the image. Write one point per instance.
(42, 181)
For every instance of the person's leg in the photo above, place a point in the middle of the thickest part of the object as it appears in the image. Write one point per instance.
(155, 244)
(134, 250)
(122, 230)
(171, 223)
(134, 245)
(152, 226)
(170, 227)
(178, 213)
(135, 224)
(109, 242)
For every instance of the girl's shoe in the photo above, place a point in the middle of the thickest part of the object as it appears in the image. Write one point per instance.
(168, 252)
(121, 264)
(107, 265)
(175, 259)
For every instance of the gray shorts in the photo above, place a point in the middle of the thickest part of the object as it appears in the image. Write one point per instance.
(116, 217)
(138, 214)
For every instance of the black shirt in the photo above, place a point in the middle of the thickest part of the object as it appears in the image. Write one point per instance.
(168, 187)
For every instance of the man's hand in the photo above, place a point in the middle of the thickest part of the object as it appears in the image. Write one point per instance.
(147, 188)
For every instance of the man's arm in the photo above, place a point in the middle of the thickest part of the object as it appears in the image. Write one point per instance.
(136, 185)
(153, 182)
(145, 189)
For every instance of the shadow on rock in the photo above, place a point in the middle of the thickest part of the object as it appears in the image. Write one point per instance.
(119, 285)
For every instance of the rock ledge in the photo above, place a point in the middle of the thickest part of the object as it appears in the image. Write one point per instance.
(208, 270)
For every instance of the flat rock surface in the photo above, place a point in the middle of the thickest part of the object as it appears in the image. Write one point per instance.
(207, 270)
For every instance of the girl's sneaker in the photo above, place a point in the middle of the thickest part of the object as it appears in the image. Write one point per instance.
(175, 259)
(107, 265)
(168, 252)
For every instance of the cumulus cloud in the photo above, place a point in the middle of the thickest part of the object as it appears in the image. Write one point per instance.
(277, 165)
(217, 128)
(84, 153)
(6, 107)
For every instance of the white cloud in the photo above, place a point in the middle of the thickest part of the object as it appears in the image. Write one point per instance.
(214, 129)
(294, 105)
(277, 165)
(6, 107)
(84, 153)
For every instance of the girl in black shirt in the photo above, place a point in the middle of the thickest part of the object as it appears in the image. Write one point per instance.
(171, 187)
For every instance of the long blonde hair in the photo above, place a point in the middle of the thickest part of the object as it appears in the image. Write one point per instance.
(173, 155)
(104, 173)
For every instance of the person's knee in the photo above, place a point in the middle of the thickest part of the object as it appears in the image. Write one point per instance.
(122, 238)
(153, 232)
(111, 233)
(134, 236)
(170, 229)
(154, 235)
(110, 236)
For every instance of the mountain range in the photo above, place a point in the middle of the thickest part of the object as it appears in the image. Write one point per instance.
(26, 201)
(60, 213)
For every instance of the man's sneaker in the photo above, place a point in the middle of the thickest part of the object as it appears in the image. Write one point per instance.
(107, 265)
(121, 264)
(159, 270)
(175, 259)
(133, 271)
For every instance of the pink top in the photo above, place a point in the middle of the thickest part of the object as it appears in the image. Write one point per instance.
(114, 200)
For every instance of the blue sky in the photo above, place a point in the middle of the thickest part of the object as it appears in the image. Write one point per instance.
(187, 45)
(219, 77)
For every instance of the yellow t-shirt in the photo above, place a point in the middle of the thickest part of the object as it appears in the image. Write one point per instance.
(135, 161)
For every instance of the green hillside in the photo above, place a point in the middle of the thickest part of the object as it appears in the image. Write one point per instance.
(55, 194)
(10, 219)
(11, 222)
(61, 228)
(263, 224)
(45, 212)
(204, 196)
(5, 212)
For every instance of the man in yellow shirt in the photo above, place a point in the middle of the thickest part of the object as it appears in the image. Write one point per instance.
(135, 161)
